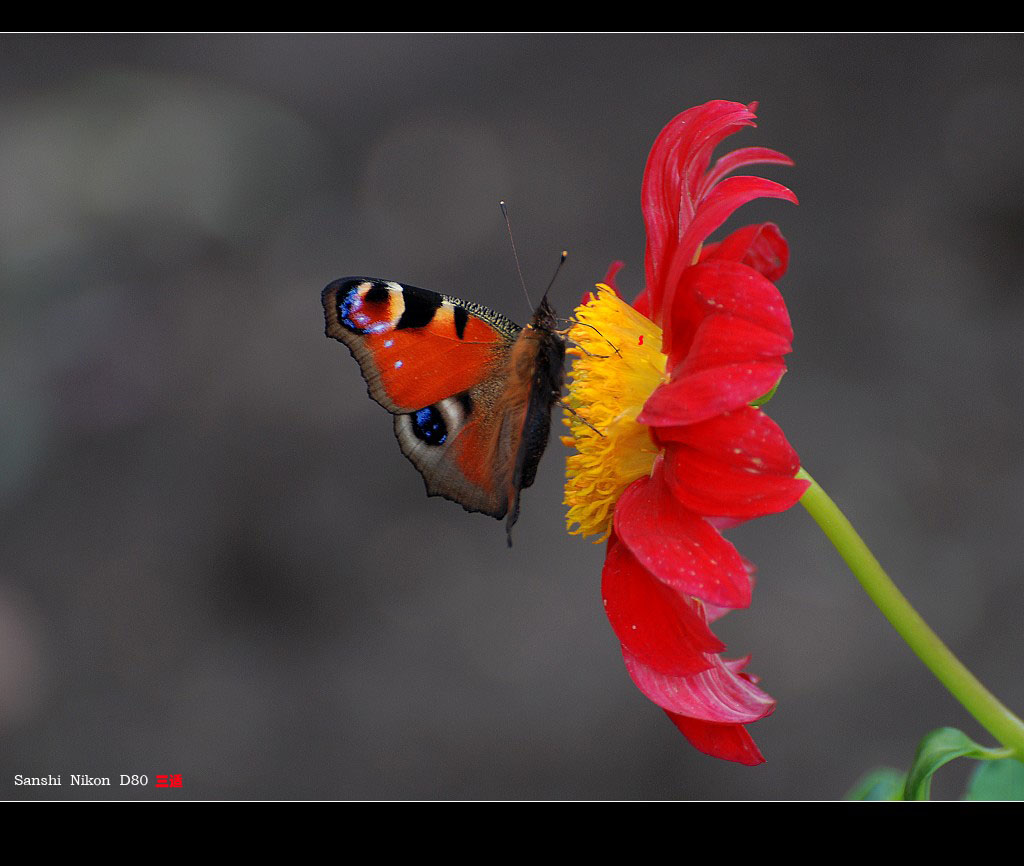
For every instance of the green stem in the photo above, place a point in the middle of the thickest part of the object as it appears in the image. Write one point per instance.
(962, 684)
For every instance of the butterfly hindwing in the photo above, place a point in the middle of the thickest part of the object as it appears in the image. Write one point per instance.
(458, 447)
(471, 391)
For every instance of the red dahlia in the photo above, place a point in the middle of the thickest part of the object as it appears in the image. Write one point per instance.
(671, 443)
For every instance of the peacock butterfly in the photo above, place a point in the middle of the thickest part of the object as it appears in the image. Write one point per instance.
(470, 390)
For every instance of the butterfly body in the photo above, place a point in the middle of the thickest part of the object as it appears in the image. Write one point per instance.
(471, 392)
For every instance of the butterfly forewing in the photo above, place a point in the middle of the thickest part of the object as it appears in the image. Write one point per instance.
(414, 346)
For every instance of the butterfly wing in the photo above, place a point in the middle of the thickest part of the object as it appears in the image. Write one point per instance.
(455, 375)
(415, 347)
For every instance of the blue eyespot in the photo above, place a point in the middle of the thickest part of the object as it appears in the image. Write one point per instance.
(354, 314)
(428, 425)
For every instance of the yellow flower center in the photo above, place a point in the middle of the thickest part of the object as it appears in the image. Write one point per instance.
(618, 365)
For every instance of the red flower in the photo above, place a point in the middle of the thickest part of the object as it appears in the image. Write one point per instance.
(677, 444)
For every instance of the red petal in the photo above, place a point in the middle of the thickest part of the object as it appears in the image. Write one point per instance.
(747, 438)
(700, 396)
(761, 247)
(728, 742)
(735, 465)
(718, 694)
(720, 204)
(672, 178)
(722, 286)
(678, 547)
(724, 339)
(705, 486)
(737, 666)
(712, 611)
(737, 159)
(656, 623)
(609, 278)
(715, 612)
(720, 523)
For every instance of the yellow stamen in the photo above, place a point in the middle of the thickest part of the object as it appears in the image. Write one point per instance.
(618, 365)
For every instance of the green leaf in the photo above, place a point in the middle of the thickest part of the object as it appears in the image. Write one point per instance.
(883, 783)
(997, 780)
(937, 749)
(760, 401)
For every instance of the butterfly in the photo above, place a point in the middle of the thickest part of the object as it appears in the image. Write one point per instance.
(471, 391)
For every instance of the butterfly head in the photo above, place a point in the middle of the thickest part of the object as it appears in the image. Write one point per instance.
(544, 318)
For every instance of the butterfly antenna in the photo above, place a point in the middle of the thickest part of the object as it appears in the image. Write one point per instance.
(561, 261)
(515, 255)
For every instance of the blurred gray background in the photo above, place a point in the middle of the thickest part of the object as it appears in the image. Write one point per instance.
(214, 560)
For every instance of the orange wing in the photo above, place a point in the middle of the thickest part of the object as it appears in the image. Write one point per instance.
(415, 347)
